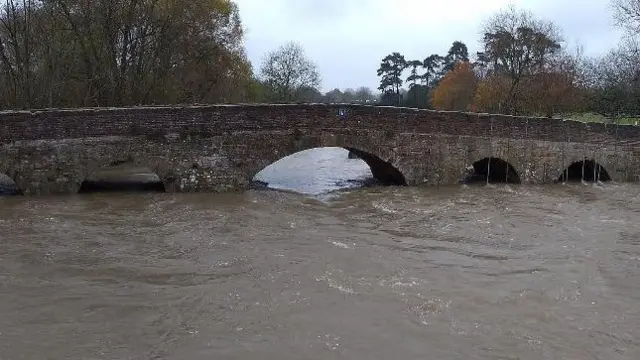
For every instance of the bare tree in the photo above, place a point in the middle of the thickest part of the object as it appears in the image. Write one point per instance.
(627, 14)
(517, 45)
(364, 94)
(68, 53)
(614, 80)
(287, 70)
(15, 52)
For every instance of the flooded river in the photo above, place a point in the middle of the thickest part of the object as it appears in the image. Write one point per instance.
(461, 272)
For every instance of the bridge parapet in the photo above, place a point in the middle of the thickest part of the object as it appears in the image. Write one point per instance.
(218, 119)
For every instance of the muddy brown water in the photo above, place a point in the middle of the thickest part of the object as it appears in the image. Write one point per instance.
(460, 272)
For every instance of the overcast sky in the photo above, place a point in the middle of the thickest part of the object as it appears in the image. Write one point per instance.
(348, 38)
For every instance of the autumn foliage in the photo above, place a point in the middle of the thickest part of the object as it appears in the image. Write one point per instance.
(491, 93)
(551, 91)
(457, 89)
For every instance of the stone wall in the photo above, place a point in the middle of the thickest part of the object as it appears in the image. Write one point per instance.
(221, 148)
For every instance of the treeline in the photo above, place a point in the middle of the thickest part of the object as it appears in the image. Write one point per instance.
(287, 75)
(361, 95)
(523, 68)
(425, 75)
(71, 53)
(68, 53)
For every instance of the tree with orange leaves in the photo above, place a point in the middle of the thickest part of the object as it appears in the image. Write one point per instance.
(550, 91)
(457, 89)
(491, 93)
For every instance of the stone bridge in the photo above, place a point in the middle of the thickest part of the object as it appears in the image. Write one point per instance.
(222, 147)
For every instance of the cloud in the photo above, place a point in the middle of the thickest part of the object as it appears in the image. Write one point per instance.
(348, 38)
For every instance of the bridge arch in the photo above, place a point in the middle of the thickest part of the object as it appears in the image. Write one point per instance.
(584, 170)
(122, 176)
(8, 186)
(384, 172)
(491, 170)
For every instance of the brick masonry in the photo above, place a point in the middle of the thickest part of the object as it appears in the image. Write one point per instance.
(221, 147)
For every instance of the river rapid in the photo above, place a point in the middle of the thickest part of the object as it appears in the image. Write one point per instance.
(459, 272)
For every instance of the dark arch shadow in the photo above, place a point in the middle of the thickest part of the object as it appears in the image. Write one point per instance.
(8, 186)
(99, 186)
(587, 170)
(122, 176)
(491, 170)
(385, 173)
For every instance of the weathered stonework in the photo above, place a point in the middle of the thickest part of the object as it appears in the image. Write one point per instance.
(221, 147)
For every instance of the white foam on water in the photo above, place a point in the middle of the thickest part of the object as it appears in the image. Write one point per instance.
(332, 283)
(384, 208)
(340, 244)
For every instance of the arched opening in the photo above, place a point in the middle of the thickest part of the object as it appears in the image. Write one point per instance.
(8, 187)
(122, 176)
(585, 170)
(491, 170)
(322, 170)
